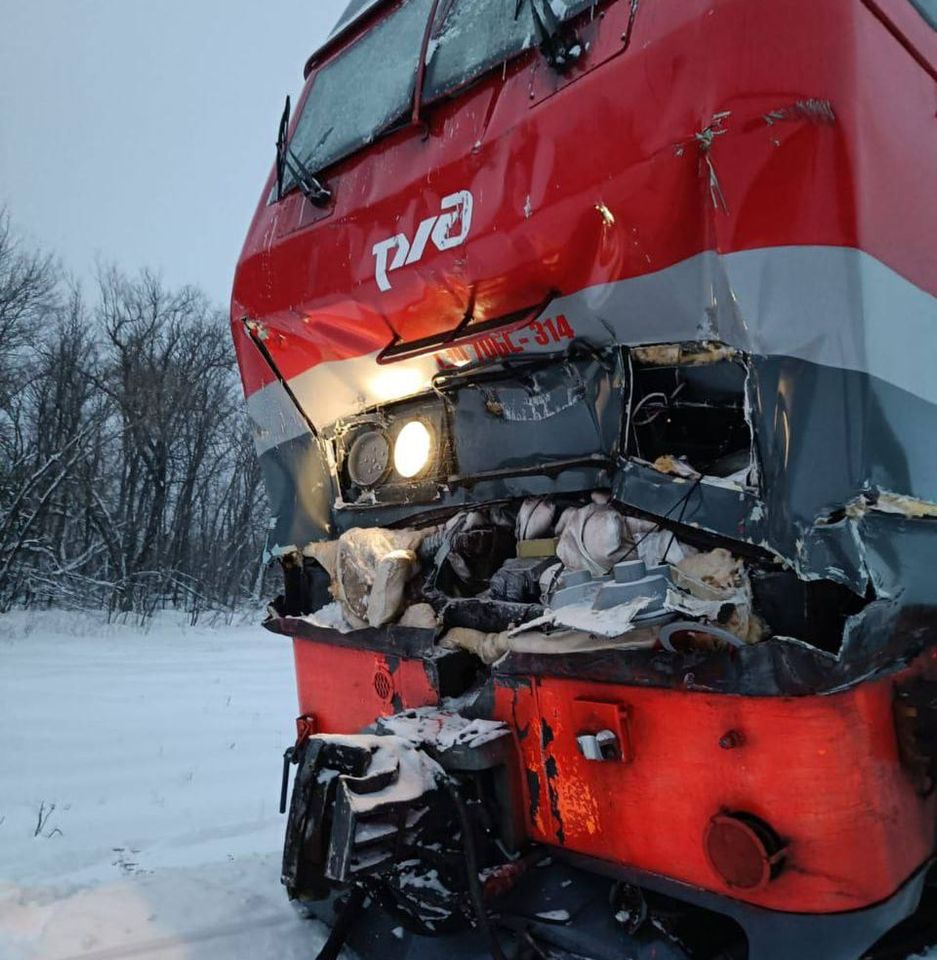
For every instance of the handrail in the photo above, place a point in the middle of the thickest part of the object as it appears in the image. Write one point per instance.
(397, 350)
(421, 67)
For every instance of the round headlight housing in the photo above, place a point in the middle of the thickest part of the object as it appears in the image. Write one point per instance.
(413, 449)
(368, 458)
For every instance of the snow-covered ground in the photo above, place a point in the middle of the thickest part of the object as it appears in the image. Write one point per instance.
(154, 759)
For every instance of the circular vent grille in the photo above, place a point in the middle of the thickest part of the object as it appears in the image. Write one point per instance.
(383, 685)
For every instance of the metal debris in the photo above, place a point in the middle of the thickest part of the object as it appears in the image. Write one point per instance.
(705, 138)
(608, 218)
(692, 353)
(818, 111)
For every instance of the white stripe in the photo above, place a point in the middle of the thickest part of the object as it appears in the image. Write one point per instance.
(835, 306)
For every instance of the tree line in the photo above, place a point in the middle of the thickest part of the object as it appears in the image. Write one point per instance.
(128, 479)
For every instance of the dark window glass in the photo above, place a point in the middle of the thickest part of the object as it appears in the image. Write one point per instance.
(565, 9)
(364, 90)
(472, 36)
(928, 10)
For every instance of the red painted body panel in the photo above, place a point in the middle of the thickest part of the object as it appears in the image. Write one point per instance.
(346, 690)
(539, 154)
(828, 136)
(824, 771)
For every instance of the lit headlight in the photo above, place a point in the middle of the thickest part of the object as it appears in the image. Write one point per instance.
(392, 455)
(412, 449)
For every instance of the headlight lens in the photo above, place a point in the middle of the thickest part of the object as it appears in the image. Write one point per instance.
(412, 449)
(368, 458)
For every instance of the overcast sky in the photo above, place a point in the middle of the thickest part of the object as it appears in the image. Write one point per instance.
(141, 131)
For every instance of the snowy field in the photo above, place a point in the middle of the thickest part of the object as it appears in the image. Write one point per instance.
(155, 760)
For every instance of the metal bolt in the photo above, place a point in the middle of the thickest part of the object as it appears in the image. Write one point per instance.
(732, 739)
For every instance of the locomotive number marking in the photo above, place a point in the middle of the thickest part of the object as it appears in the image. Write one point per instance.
(494, 345)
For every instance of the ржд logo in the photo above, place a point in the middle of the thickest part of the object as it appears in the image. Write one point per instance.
(450, 229)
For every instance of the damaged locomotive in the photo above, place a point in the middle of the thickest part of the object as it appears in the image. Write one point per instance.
(587, 349)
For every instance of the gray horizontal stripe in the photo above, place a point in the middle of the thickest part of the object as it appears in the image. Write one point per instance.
(834, 306)
(274, 417)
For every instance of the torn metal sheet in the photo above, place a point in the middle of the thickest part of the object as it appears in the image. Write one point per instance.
(819, 111)
(761, 250)
(607, 352)
(705, 139)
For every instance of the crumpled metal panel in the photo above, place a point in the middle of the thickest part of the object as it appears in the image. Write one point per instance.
(667, 189)
(534, 419)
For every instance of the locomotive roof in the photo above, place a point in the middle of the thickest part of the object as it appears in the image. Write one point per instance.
(355, 10)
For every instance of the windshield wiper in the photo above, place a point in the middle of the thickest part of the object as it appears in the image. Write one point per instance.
(316, 192)
(281, 147)
(312, 188)
(560, 47)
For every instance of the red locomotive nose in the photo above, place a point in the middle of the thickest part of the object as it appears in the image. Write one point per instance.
(589, 350)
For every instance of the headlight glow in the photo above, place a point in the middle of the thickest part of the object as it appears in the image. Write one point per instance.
(412, 449)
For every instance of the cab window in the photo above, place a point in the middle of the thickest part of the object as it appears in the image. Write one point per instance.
(928, 10)
(472, 36)
(364, 90)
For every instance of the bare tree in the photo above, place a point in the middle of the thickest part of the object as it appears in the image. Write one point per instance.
(128, 478)
(28, 286)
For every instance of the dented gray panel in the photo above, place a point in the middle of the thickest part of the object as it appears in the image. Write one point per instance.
(834, 306)
(826, 440)
(300, 491)
(274, 417)
(829, 440)
(842, 400)
(558, 413)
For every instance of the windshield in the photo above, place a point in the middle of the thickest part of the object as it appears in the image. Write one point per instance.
(472, 36)
(364, 90)
(368, 87)
(928, 10)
